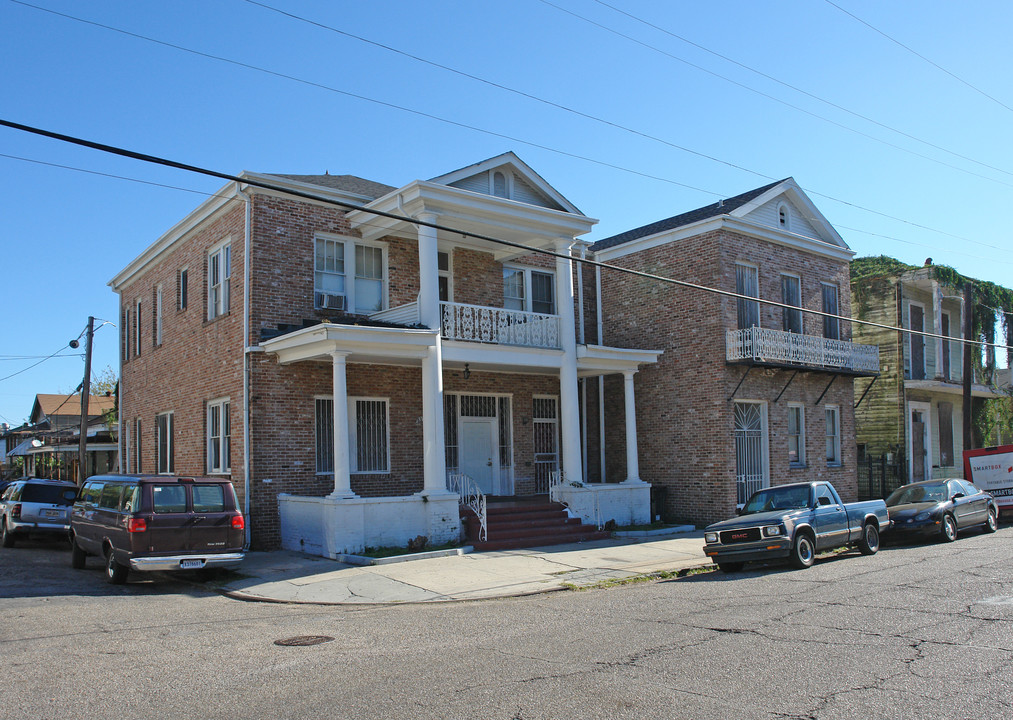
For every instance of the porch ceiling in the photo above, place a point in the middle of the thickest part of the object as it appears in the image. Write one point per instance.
(952, 388)
(594, 360)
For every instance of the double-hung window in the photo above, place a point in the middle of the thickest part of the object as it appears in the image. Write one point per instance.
(163, 432)
(529, 290)
(182, 288)
(219, 279)
(368, 435)
(747, 283)
(831, 325)
(137, 328)
(333, 289)
(791, 294)
(833, 415)
(219, 437)
(796, 435)
(157, 335)
(446, 277)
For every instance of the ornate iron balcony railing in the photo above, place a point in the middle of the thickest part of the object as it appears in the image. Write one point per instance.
(777, 346)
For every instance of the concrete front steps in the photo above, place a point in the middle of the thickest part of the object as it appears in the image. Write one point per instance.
(524, 524)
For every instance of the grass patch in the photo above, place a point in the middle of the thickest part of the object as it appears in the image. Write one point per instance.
(385, 552)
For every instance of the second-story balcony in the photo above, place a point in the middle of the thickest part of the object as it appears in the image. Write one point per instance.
(776, 347)
(479, 323)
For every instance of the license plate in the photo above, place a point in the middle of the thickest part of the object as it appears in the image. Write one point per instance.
(54, 513)
(191, 564)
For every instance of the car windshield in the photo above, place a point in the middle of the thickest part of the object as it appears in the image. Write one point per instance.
(935, 492)
(792, 498)
(49, 494)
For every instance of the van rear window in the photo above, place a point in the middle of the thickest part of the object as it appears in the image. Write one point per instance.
(51, 494)
(168, 498)
(208, 498)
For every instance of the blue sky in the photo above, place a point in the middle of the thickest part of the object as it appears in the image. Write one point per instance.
(901, 156)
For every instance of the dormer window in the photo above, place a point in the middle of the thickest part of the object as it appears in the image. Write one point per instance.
(499, 184)
(783, 217)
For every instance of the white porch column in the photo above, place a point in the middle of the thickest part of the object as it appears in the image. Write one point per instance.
(342, 466)
(632, 460)
(569, 407)
(429, 273)
(937, 324)
(434, 461)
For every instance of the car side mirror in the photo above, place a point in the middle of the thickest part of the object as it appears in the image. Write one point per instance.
(740, 510)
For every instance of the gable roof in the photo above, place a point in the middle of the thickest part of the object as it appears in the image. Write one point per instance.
(721, 207)
(48, 405)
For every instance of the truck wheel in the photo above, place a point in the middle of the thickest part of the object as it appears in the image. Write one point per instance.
(77, 555)
(730, 567)
(115, 573)
(803, 551)
(948, 529)
(869, 544)
(992, 523)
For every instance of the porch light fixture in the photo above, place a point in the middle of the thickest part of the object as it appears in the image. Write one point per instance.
(467, 371)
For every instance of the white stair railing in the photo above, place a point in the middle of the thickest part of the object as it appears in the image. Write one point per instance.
(471, 497)
(557, 480)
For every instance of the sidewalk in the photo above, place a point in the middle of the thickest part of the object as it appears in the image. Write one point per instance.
(291, 577)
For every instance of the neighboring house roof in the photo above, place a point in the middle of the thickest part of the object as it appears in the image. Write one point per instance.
(47, 406)
(721, 207)
(347, 183)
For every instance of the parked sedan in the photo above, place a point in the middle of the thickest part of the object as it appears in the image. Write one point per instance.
(941, 508)
(35, 507)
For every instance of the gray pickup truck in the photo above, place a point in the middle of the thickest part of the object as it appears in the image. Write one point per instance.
(795, 522)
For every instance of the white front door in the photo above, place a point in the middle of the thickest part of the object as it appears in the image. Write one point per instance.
(480, 452)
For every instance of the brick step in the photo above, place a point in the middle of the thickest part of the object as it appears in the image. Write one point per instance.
(495, 509)
(518, 521)
(516, 533)
(540, 541)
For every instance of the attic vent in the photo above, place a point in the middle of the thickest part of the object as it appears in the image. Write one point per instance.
(325, 301)
(783, 219)
(499, 185)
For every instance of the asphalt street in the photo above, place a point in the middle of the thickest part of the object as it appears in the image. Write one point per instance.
(916, 631)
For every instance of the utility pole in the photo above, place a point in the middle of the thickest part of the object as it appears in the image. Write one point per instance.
(82, 452)
(968, 374)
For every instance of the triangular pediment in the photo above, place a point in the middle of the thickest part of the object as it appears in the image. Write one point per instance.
(786, 207)
(508, 177)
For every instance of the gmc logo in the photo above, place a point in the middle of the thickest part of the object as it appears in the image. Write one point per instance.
(740, 536)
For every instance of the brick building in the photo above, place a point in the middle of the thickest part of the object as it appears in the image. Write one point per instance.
(345, 368)
(746, 394)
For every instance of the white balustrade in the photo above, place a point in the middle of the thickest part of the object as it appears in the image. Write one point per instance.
(777, 346)
(477, 323)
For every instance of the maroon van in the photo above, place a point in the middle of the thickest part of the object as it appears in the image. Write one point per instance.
(156, 522)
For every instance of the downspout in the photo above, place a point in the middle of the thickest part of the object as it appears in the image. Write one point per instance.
(601, 378)
(247, 274)
(581, 341)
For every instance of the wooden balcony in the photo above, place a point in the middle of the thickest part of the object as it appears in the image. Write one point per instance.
(792, 350)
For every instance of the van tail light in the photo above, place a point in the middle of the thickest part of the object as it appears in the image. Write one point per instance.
(136, 525)
(238, 522)
(16, 511)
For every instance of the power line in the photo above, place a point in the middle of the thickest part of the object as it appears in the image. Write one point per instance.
(492, 133)
(797, 89)
(467, 233)
(919, 55)
(48, 357)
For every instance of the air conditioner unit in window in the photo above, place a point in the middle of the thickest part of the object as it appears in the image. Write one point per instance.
(324, 301)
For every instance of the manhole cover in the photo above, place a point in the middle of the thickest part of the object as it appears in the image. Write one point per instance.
(304, 640)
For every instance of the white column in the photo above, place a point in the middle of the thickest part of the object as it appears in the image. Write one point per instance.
(569, 408)
(632, 461)
(429, 273)
(937, 325)
(342, 466)
(434, 461)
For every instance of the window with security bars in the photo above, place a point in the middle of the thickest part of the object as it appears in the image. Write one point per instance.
(478, 406)
(750, 449)
(450, 432)
(505, 444)
(545, 430)
(369, 435)
(163, 438)
(219, 437)
(747, 283)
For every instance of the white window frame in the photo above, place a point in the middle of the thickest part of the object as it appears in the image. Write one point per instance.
(448, 273)
(183, 288)
(219, 292)
(911, 338)
(223, 440)
(348, 245)
(126, 334)
(755, 303)
(528, 299)
(158, 315)
(833, 438)
(353, 455)
(835, 311)
(799, 462)
(164, 465)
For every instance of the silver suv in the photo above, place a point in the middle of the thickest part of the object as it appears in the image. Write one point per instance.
(35, 507)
